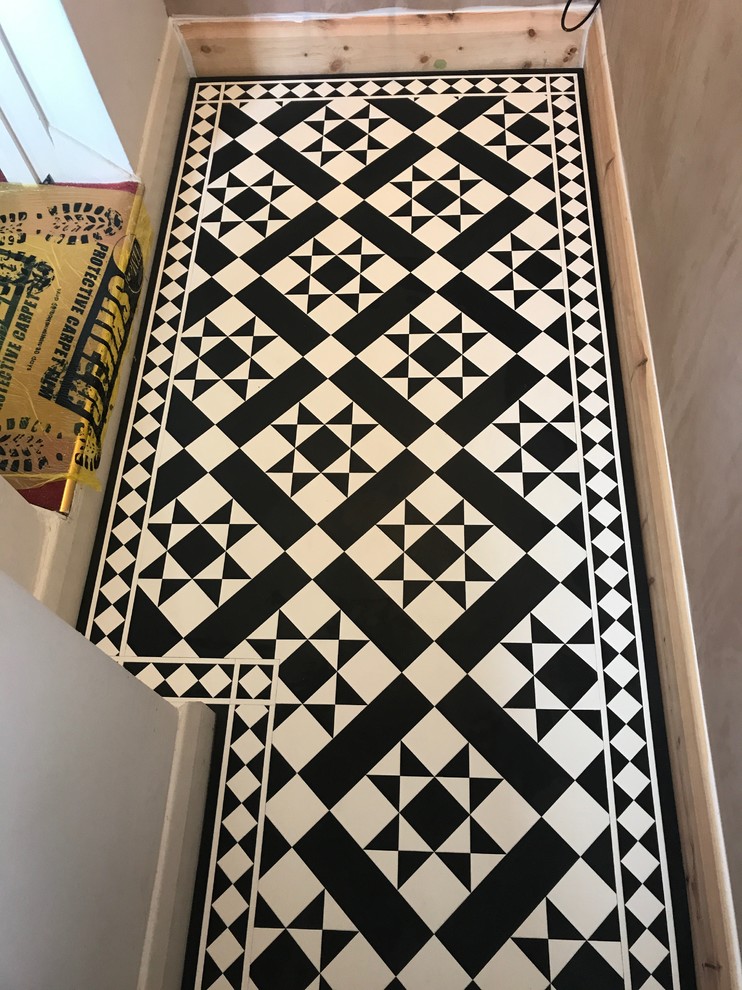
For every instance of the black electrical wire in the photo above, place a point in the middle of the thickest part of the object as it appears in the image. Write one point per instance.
(584, 20)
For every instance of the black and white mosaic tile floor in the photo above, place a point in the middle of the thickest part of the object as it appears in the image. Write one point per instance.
(372, 507)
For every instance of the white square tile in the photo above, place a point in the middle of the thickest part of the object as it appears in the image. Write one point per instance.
(294, 809)
(319, 498)
(288, 887)
(225, 949)
(357, 957)
(500, 674)
(434, 673)
(563, 613)
(434, 893)
(510, 967)
(572, 744)
(314, 551)
(299, 738)
(329, 356)
(374, 552)
(505, 816)
(495, 552)
(434, 447)
(558, 554)
(434, 610)
(583, 898)
(364, 812)
(340, 200)
(436, 271)
(577, 818)
(434, 741)
(369, 672)
(235, 863)
(649, 951)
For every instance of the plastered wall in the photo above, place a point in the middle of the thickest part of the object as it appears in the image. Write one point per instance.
(121, 43)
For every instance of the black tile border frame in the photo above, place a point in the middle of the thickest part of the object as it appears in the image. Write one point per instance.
(654, 697)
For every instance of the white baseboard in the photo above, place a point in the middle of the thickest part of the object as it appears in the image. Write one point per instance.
(167, 928)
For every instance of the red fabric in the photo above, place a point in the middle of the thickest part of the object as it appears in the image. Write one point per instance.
(130, 187)
(48, 496)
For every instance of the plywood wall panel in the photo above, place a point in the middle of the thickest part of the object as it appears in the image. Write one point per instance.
(677, 76)
(497, 39)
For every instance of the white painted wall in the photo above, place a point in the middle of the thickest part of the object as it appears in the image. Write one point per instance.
(121, 42)
(85, 762)
(51, 100)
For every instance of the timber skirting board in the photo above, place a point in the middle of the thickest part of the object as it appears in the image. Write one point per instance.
(709, 892)
(506, 39)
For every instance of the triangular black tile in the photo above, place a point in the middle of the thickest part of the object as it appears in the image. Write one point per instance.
(333, 942)
(410, 863)
(410, 765)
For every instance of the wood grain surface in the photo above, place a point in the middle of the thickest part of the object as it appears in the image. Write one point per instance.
(507, 39)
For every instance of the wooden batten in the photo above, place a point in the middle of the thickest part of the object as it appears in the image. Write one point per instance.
(709, 893)
(506, 39)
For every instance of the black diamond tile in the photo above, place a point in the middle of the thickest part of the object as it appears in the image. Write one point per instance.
(435, 197)
(225, 357)
(322, 448)
(434, 552)
(588, 968)
(434, 814)
(538, 269)
(305, 671)
(246, 202)
(335, 274)
(345, 134)
(435, 355)
(529, 128)
(550, 446)
(567, 676)
(195, 551)
(283, 964)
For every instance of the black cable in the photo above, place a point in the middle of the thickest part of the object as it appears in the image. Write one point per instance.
(584, 20)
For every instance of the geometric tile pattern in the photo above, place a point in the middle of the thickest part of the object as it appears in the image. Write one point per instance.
(222, 951)
(629, 731)
(372, 507)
